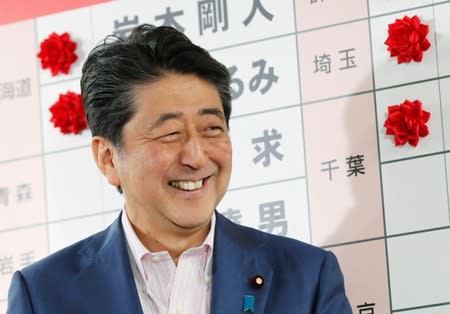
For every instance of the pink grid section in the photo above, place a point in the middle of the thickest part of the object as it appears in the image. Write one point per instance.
(24, 182)
(21, 10)
(19, 115)
(31, 240)
(364, 265)
(317, 13)
(346, 75)
(345, 208)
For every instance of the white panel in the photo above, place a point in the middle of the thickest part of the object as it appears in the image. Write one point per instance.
(18, 249)
(105, 15)
(282, 22)
(415, 194)
(441, 16)
(112, 199)
(418, 267)
(445, 309)
(445, 104)
(387, 71)
(291, 195)
(65, 233)
(247, 169)
(428, 94)
(77, 24)
(447, 160)
(188, 18)
(283, 62)
(54, 140)
(73, 184)
(377, 7)
(109, 217)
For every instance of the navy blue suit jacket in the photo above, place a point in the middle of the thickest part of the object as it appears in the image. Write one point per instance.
(94, 276)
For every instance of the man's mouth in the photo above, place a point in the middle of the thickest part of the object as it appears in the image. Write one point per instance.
(188, 185)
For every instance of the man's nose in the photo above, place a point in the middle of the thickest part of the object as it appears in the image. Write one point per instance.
(193, 154)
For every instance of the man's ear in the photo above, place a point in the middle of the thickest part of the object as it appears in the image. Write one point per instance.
(104, 153)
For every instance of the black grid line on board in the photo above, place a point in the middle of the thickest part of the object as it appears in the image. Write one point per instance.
(415, 157)
(405, 10)
(22, 158)
(437, 78)
(442, 114)
(380, 173)
(428, 306)
(308, 204)
(44, 181)
(91, 20)
(320, 100)
(334, 245)
(385, 237)
(265, 183)
(61, 81)
(56, 221)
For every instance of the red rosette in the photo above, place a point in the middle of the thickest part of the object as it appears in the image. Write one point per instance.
(57, 53)
(407, 39)
(68, 113)
(407, 122)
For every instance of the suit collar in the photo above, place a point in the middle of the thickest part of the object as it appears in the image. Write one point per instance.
(109, 285)
(235, 261)
(106, 274)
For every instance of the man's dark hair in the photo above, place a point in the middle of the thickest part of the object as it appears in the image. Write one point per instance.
(115, 67)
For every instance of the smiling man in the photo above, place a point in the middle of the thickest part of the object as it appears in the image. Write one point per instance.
(158, 107)
(175, 161)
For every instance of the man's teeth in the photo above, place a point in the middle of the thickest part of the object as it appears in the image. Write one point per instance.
(187, 185)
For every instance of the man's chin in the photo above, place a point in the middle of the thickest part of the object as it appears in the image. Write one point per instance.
(192, 223)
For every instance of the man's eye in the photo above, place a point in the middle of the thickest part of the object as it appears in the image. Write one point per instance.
(214, 129)
(171, 134)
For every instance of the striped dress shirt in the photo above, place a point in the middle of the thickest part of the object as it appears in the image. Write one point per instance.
(164, 287)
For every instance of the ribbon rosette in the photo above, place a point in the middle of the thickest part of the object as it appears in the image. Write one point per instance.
(68, 113)
(57, 53)
(407, 122)
(407, 39)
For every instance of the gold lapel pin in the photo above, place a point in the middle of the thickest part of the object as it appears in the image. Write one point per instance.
(257, 281)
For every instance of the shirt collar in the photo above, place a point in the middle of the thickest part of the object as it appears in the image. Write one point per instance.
(137, 250)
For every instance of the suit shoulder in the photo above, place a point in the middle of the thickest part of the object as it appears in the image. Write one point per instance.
(65, 260)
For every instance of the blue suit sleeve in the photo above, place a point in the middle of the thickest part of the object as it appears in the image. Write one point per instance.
(18, 296)
(331, 298)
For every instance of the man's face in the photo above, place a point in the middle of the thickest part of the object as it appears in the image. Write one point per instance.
(175, 164)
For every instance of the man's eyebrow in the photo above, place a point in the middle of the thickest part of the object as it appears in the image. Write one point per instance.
(163, 118)
(214, 111)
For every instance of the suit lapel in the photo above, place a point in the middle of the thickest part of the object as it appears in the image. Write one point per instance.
(106, 274)
(108, 283)
(235, 262)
